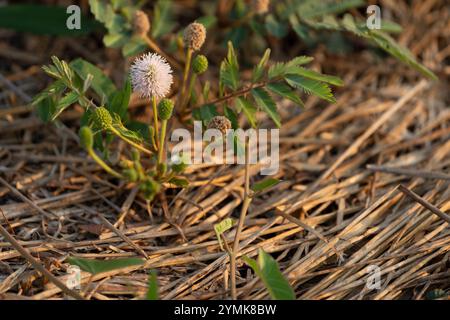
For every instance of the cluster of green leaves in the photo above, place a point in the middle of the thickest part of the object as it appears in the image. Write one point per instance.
(83, 83)
(308, 17)
(117, 17)
(280, 79)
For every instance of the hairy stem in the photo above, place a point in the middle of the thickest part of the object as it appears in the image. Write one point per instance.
(103, 164)
(161, 141)
(130, 142)
(244, 209)
(187, 67)
(152, 45)
(155, 119)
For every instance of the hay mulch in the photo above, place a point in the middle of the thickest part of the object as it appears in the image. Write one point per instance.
(365, 185)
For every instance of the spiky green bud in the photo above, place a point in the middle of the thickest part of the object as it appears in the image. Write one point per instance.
(86, 138)
(165, 108)
(102, 118)
(200, 64)
(131, 174)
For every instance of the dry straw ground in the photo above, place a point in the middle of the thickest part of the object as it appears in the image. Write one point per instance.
(338, 210)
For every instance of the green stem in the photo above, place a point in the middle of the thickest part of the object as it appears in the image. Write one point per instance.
(103, 164)
(191, 87)
(161, 141)
(244, 209)
(187, 67)
(155, 119)
(130, 142)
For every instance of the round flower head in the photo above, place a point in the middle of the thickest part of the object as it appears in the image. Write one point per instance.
(220, 123)
(102, 118)
(261, 6)
(200, 64)
(141, 23)
(194, 36)
(151, 76)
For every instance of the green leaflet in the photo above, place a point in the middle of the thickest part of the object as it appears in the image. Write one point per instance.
(94, 266)
(248, 109)
(265, 184)
(101, 84)
(317, 88)
(266, 103)
(285, 91)
(267, 269)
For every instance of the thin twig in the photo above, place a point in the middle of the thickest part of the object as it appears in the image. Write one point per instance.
(37, 265)
(245, 205)
(424, 203)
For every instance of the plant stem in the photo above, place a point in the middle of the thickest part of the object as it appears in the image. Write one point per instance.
(130, 142)
(236, 93)
(161, 141)
(155, 120)
(245, 206)
(187, 67)
(103, 164)
(152, 45)
(191, 87)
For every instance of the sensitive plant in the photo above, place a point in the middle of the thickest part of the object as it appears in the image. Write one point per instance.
(217, 103)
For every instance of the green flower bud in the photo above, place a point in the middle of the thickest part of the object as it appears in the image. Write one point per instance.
(135, 155)
(150, 188)
(200, 64)
(131, 174)
(165, 108)
(86, 138)
(102, 118)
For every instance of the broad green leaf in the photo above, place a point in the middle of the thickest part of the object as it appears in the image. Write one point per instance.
(120, 100)
(101, 84)
(248, 109)
(94, 266)
(134, 46)
(116, 40)
(162, 21)
(285, 91)
(276, 28)
(153, 290)
(265, 184)
(101, 10)
(258, 71)
(266, 103)
(221, 227)
(42, 19)
(267, 269)
(322, 90)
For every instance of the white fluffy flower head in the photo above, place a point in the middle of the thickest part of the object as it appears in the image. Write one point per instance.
(151, 76)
